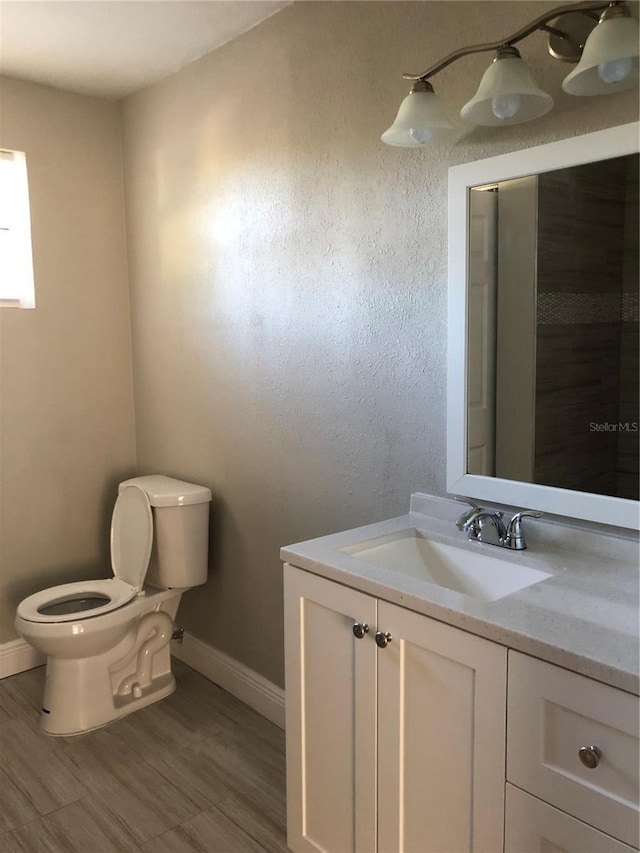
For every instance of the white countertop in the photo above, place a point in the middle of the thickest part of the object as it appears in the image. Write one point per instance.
(585, 617)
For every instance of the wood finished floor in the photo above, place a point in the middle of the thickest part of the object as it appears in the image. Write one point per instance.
(198, 772)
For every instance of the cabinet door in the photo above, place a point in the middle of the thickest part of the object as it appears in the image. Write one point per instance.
(441, 737)
(535, 827)
(330, 716)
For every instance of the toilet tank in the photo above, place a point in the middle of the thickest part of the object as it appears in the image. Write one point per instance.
(179, 558)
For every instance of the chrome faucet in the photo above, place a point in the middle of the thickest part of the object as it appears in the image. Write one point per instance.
(487, 526)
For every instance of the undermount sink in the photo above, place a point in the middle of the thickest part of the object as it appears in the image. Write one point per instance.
(480, 576)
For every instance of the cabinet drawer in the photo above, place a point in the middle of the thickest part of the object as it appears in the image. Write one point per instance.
(532, 826)
(552, 714)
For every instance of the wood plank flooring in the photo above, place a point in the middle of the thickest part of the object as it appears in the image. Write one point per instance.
(198, 772)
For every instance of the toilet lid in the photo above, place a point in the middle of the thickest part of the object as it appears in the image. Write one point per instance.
(131, 536)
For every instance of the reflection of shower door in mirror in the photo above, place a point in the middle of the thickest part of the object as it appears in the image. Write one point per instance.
(516, 337)
(482, 333)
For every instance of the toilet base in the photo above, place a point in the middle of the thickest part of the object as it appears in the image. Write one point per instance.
(83, 694)
(68, 724)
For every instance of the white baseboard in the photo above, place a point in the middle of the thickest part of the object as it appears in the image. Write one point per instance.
(17, 656)
(234, 677)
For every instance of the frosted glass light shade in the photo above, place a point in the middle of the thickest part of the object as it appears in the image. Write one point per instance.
(507, 94)
(421, 119)
(609, 60)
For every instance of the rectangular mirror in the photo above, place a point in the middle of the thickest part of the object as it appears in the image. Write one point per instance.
(543, 328)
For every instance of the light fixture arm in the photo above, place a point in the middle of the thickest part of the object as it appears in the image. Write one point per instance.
(541, 23)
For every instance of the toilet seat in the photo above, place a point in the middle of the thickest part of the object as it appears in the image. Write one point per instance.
(114, 591)
(131, 540)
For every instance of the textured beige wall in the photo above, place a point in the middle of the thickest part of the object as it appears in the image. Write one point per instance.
(289, 280)
(66, 404)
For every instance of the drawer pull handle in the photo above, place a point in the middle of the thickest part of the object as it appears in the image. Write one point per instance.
(360, 629)
(589, 756)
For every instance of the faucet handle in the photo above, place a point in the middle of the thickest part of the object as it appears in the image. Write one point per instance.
(468, 518)
(526, 513)
(467, 501)
(514, 537)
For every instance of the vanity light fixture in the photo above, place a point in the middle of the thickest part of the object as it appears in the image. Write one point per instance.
(421, 118)
(507, 94)
(602, 37)
(610, 57)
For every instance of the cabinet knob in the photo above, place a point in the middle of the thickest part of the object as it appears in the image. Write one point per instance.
(360, 629)
(589, 756)
(383, 638)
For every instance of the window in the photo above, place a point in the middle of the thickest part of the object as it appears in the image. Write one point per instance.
(16, 262)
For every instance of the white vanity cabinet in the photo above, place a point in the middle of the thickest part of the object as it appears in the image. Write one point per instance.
(533, 826)
(330, 680)
(399, 748)
(572, 742)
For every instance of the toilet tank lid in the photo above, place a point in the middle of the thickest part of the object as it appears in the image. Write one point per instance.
(165, 491)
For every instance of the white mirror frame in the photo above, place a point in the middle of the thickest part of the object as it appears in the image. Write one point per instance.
(601, 145)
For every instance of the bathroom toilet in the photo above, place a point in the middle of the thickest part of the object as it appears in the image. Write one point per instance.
(107, 641)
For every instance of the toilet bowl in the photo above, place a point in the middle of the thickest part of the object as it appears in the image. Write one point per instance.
(107, 641)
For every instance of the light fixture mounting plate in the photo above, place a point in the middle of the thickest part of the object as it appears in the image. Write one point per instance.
(576, 26)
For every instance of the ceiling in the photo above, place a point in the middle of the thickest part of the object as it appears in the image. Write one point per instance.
(111, 48)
